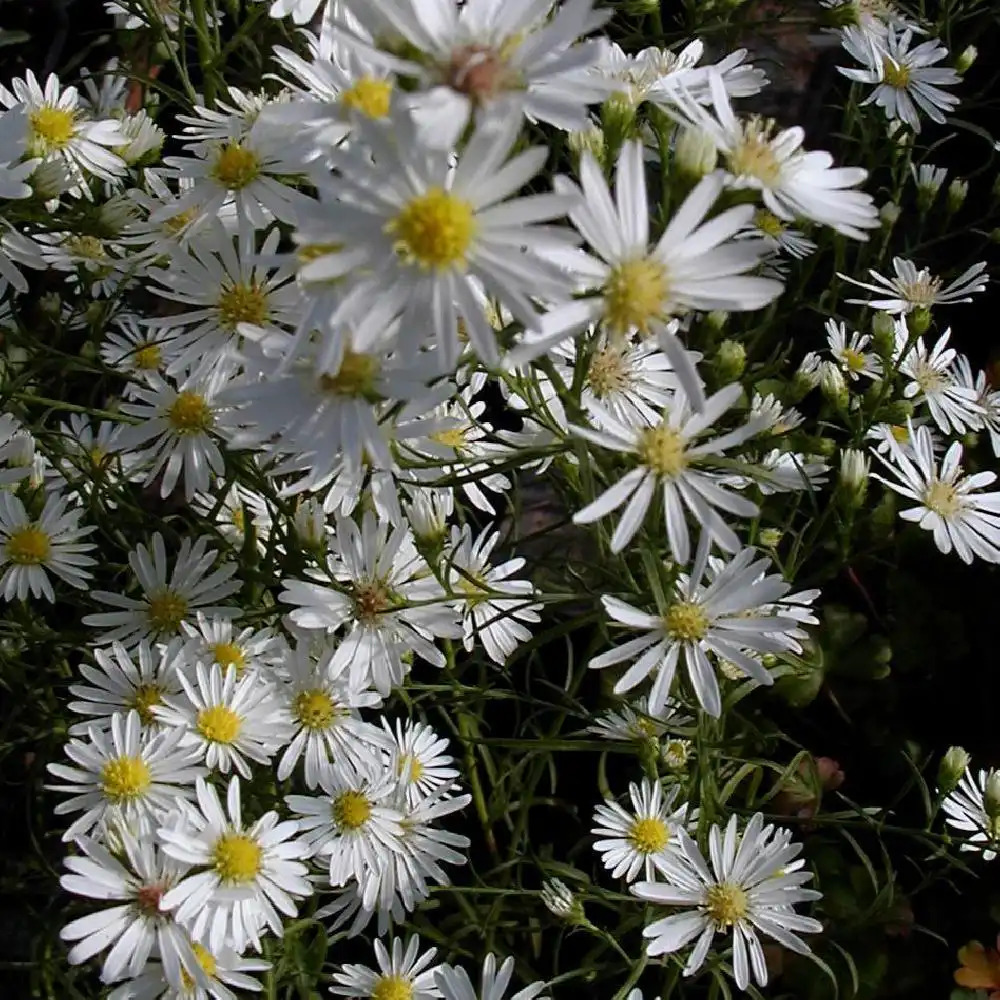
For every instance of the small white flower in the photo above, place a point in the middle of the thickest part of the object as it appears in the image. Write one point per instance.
(850, 353)
(455, 984)
(911, 289)
(965, 811)
(417, 756)
(401, 974)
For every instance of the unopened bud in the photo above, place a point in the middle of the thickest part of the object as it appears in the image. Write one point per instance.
(833, 385)
(618, 119)
(561, 902)
(883, 335)
(50, 304)
(823, 447)
(957, 191)
(965, 60)
(889, 214)
(643, 6)
(951, 769)
(695, 153)
(928, 179)
(675, 753)
(897, 412)
(770, 538)
(991, 794)
(716, 320)
(853, 482)
(919, 320)
(590, 140)
(807, 377)
(730, 360)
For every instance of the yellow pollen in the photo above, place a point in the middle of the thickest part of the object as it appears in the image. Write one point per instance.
(315, 709)
(87, 247)
(769, 224)
(28, 546)
(176, 223)
(125, 778)
(408, 763)
(685, 621)
(452, 437)
(52, 129)
(351, 810)
(166, 611)
(392, 988)
(238, 518)
(899, 433)
(242, 304)
(942, 498)
(218, 724)
(148, 357)
(145, 698)
(607, 374)
(895, 74)
(635, 294)
(854, 360)
(725, 903)
(649, 835)
(236, 858)
(228, 654)
(235, 167)
(189, 413)
(205, 959)
(355, 377)
(370, 96)
(928, 379)
(662, 450)
(754, 156)
(434, 230)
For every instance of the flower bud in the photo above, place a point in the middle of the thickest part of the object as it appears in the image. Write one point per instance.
(561, 902)
(618, 119)
(833, 385)
(957, 190)
(883, 335)
(919, 320)
(642, 6)
(730, 360)
(716, 320)
(889, 214)
(806, 378)
(898, 411)
(928, 179)
(951, 769)
(675, 753)
(695, 153)
(991, 794)
(590, 140)
(966, 58)
(853, 482)
(770, 538)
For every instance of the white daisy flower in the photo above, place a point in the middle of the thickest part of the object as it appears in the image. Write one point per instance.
(752, 886)
(987, 397)
(906, 80)
(417, 756)
(170, 597)
(633, 723)
(949, 503)
(911, 289)
(225, 718)
(693, 265)
(850, 352)
(325, 715)
(454, 983)
(965, 811)
(126, 681)
(494, 607)
(58, 129)
(778, 235)
(225, 120)
(953, 407)
(669, 455)
(302, 11)
(13, 145)
(636, 842)
(88, 465)
(784, 472)
(134, 879)
(793, 183)
(386, 597)
(30, 546)
(495, 62)
(401, 975)
(928, 180)
(247, 651)
(428, 510)
(122, 776)
(416, 230)
(874, 17)
(236, 510)
(139, 350)
(731, 613)
(250, 874)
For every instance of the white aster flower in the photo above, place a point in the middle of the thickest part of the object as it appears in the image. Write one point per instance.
(225, 718)
(455, 984)
(633, 723)
(730, 614)
(948, 502)
(636, 842)
(668, 457)
(417, 756)
(235, 512)
(218, 640)
(850, 352)
(122, 776)
(14, 128)
(139, 350)
(170, 597)
(906, 80)
(779, 236)
(987, 397)
(250, 875)
(401, 973)
(31, 546)
(911, 289)
(751, 887)
(965, 811)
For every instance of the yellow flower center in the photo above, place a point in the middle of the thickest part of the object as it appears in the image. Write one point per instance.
(649, 835)
(409, 764)
(434, 230)
(355, 377)
(218, 724)
(662, 450)
(28, 546)
(686, 621)
(725, 903)
(392, 988)
(929, 379)
(148, 357)
(144, 699)
(87, 247)
(315, 709)
(371, 598)
(52, 129)
(125, 778)
(675, 753)
(607, 373)
(922, 291)
(241, 303)
(895, 74)
(205, 959)
(176, 223)
(235, 166)
(351, 810)
(189, 413)
(370, 96)
(228, 654)
(942, 498)
(753, 155)
(451, 437)
(635, 294)
(854, 360)
(769, 224)
(166, 611)
(237, 858)
(899, 433)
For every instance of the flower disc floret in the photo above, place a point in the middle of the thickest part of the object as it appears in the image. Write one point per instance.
(242, 303)
(435, 229)
(148, 357)
(726, 903)
(370, 96)
(662, 450)
(145, 698)
(351, 810)
(219, 724)
(236, 166)
(392, 987)
(28, 546)
(649, 835)
(354, 379)
(634, 294)
(237, 858)
(167, 610)
(686, 621)
(205, 960)
(125, 778)
(228, 654)
(753, 155)
(315, 709)
(942, 498)
(52, 129)
(190, 413)
(895, 74)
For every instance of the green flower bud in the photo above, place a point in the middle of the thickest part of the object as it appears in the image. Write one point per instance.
(853, 482)
(951, 769)
(957, 191)
(618, 119)
(730, 360)
(590, 140)
(883, 335)
(770, 538)
(560, 900)
(991, 794)
(966, 58)
(889, 214)
(898, 411)
(50, 304)
(695, 153)
(833, 385)
(716, 320)
(824, 447)
(919, 320)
